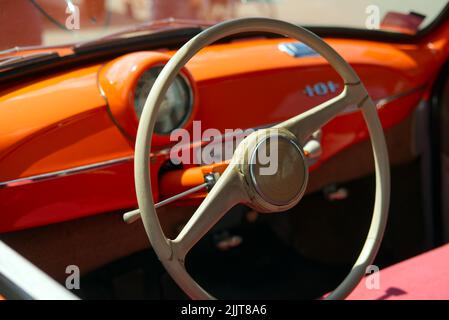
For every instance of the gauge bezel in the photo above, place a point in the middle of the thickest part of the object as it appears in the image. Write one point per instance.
(190, 93)
(117, 83)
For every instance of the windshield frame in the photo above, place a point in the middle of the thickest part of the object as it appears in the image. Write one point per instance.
(382, 35)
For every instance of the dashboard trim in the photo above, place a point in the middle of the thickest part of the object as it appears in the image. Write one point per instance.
(65, 172)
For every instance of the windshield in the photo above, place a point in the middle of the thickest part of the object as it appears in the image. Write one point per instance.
(56, 22)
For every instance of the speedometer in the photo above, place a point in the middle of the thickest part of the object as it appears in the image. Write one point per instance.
(176, 107)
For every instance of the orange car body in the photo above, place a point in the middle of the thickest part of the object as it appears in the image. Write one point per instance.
(67, 136)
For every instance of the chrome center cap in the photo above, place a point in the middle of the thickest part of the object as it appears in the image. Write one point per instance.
(278, 170)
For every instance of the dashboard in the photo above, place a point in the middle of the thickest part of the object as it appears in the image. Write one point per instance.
(79, 148)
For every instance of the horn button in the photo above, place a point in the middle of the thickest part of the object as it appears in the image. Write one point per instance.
(278, 171)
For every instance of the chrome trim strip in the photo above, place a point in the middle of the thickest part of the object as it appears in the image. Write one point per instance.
(65, 172)
(381, 102)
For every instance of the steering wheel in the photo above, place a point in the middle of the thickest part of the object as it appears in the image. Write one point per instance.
(244, 180)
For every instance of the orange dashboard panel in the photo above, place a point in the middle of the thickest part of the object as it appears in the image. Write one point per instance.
(67, 136)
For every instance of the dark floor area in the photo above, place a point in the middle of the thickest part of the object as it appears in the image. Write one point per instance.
(280, 263)
(262, 267)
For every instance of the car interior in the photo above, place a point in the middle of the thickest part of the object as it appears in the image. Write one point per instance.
(136, 137)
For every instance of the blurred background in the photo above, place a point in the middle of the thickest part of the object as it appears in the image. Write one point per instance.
(44, 22)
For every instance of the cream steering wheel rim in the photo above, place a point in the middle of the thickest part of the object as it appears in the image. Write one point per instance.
(172, 252)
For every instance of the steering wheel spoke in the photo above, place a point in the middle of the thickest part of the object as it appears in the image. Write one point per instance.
(306, 123)
(227, 192)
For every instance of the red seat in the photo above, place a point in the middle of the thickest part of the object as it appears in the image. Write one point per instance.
(423, 277)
